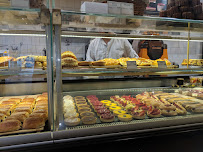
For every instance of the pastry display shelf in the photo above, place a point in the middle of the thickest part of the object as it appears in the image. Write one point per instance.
(117, 126)
(75, 24)
(127, 72)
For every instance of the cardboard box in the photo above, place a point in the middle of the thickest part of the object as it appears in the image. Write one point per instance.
(127, 9)
(114, 7)
(94, 7)
(20, 3)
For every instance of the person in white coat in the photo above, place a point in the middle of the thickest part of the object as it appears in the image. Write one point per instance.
(101, 48)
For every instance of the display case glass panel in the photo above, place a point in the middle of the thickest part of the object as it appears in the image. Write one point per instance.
(26, 81)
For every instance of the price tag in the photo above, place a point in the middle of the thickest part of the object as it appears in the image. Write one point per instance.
(131, 65)
(162, 64)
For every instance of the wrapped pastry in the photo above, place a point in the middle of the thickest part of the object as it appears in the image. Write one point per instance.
(33, 123)
(10, 125)
(42, 97)
(18, 100)
(24, 109)
(39, 115)
(5, 111)
(24, 114)
(9, 102)
(29, 99)
(18, 117)
(2, 117)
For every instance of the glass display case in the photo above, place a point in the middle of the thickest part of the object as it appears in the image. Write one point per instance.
(146, 85)
(102, 100)
(26, 82)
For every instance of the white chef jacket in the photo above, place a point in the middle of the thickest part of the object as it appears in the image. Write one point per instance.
(115, 49)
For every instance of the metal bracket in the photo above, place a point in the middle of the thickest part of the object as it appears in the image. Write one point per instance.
(56, 16)
(45, 16)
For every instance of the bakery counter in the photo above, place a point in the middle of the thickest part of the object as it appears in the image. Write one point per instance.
(90, 113)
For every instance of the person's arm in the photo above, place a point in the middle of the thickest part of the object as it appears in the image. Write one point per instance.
(129, 50)
(90, 53)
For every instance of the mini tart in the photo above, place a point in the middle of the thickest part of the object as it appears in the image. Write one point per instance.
(111, 104)
(72, 121)
(114, 108)
(85, 114)
(71, 115)
(89, 120)
(81, 103)
(84, 110)
(79, 97)
(139, 114)
(108, 117)
(97, 104)
(83, 106)
(105, 101)
(125, 117)
(119, 112)
(96, 108)
(102, 111)
(80, 100)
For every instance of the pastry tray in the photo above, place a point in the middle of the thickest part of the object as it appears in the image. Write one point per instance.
(105, 95)
(22, 131)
